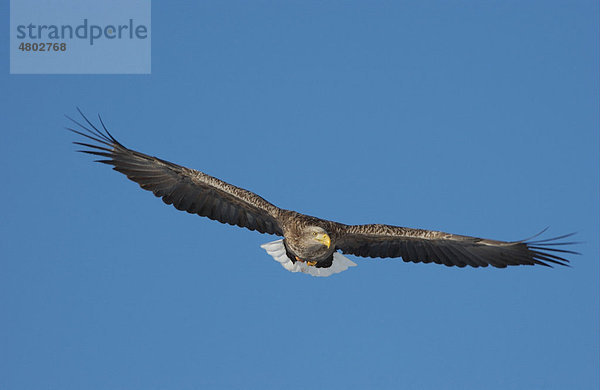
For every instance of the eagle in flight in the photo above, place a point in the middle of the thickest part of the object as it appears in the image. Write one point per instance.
(310, 245)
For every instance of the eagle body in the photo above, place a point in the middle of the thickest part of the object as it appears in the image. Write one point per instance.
(298, 229)
(309, 244)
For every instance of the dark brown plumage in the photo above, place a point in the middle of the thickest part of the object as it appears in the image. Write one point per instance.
(308, 240)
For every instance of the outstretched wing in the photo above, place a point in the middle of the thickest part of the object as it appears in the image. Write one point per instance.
(184, 188)
(426, 246)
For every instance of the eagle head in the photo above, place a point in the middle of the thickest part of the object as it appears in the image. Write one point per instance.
(309, 242)
(315, 237)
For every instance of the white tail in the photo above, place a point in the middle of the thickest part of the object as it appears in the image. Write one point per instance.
(277, 250)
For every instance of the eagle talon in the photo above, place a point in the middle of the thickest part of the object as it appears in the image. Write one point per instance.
(311, 263)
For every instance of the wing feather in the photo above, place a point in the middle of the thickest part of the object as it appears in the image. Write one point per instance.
(186, 189)
(426, 246)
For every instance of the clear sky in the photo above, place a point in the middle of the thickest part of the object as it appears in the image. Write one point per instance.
(476, 118)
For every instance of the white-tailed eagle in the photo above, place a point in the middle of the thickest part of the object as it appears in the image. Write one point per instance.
(310, 245)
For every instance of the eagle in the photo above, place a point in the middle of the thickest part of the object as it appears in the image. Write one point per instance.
(308, 245)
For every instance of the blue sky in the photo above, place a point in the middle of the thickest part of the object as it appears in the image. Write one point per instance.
(472, 118)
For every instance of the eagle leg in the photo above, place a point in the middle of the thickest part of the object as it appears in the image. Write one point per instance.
(310, 263)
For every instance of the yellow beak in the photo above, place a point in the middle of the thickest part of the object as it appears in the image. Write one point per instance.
(324, 239)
